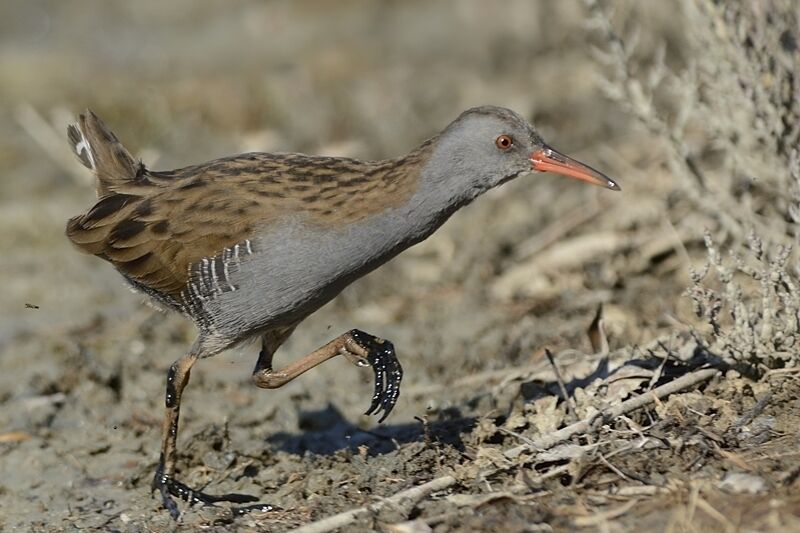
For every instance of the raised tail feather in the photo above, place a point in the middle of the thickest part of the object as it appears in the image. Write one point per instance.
(100, 151)
(123, 227)
(118, 175)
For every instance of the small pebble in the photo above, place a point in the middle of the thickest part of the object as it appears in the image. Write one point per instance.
(742, 483)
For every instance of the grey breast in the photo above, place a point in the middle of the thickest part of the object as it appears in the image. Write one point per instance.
(292, 268)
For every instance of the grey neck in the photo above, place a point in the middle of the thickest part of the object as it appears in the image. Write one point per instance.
(444, 187)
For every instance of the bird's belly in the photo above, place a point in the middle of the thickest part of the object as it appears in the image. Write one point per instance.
(293, 272)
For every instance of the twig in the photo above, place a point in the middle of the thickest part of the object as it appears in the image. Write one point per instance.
(630, 476)
(757, 409)
(505, 375)
(613, 468)
(534, 483)
(660, 370)
(598, 519)
(716, 515)
(411, 495)
(567, 398)
(585, 425)
(780, 371)
(520, 436)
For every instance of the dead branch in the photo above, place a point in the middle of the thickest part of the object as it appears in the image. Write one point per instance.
(414, 494)
(584, 426)
(403, 498)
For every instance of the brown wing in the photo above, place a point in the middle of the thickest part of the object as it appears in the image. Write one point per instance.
(153, 234)
(155, 228)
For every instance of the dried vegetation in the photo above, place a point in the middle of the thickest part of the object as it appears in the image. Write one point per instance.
(730, 122)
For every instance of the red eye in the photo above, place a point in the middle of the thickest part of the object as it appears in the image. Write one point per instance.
(504, 142)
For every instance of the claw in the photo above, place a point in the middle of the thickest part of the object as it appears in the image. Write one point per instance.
(388, 372)
(376, 397)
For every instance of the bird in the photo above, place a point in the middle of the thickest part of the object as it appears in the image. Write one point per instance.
(248, 246)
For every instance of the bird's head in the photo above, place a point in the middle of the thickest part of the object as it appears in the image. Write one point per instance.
(487, 146)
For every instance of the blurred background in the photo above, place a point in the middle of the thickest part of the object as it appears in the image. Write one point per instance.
(689, 105)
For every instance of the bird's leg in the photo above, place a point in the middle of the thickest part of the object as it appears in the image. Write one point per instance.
(360, 348)
(270, 342)
(164, 481)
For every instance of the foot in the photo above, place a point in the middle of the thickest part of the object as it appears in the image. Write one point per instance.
(169, 487)
(364, 349)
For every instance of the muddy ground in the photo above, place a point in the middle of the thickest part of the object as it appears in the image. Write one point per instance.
(471, 310)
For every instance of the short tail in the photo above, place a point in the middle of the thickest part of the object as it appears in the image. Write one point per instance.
(100, 151)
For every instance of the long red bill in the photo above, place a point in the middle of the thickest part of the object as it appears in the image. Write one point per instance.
(547, 159)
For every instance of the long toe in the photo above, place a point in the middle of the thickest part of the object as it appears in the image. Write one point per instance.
(168, 503)
(391, 393)
(255, 508)
(377, 396)
(169, 487)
